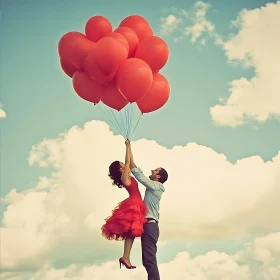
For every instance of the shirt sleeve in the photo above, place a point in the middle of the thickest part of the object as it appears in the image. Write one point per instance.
(147, 182)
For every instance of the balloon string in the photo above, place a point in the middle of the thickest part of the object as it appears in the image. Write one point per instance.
(122, 120)
(132, 116)
(127, 119)
(106, 113)
(120, 127)
(136, 125)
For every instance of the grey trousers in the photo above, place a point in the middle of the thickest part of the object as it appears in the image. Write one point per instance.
(149, 250)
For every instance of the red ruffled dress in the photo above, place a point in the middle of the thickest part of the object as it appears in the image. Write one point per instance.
(128, 217)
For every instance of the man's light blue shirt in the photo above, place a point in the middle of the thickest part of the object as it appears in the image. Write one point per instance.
(153, 193)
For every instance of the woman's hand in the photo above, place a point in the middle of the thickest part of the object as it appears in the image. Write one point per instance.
(127, 142)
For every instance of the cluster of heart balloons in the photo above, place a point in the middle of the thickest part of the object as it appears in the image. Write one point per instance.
(117, 67)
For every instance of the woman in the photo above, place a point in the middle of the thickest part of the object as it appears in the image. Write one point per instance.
(128, 217)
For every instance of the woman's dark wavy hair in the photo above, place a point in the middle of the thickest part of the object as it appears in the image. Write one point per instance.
(115, 174)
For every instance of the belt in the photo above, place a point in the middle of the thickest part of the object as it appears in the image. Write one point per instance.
(151, 220)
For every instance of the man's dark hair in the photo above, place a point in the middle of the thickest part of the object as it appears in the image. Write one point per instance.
(163, 175)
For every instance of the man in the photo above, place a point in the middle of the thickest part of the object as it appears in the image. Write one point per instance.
(154, 190)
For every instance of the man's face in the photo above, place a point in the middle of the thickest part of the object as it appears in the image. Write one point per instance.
(155, 174)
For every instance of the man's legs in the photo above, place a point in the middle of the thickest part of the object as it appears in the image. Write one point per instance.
(149, 249)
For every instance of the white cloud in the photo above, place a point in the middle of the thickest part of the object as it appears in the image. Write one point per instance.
(2, 112)
(256, 45)
(250, 263)
(173, 24)
(264, 257)
(169, 23)
(200, 24)
(191, 22)
(206, 197)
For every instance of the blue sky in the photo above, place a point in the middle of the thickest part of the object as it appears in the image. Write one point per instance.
(40, 102)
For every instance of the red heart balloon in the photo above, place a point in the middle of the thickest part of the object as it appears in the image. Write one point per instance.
(120, 38)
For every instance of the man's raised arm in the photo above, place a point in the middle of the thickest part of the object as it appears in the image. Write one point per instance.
(147, 182)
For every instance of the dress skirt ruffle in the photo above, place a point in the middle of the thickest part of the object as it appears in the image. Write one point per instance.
(127, 220)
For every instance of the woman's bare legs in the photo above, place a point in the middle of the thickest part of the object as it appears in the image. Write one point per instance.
(128, 242)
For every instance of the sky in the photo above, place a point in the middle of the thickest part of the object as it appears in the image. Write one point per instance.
(217, 136)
